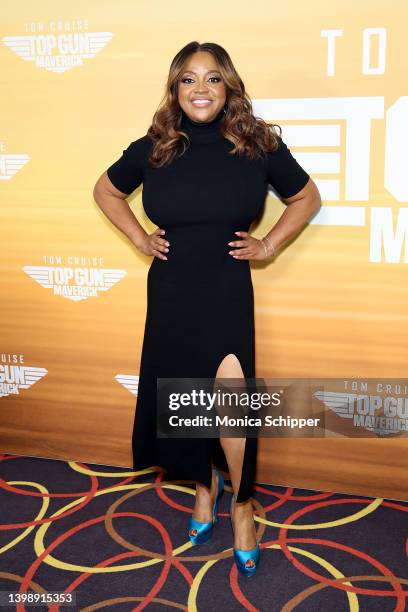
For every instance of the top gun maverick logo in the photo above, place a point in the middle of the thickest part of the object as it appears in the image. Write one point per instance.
(60, 47)
(14, 375)
(379, 407)
(77, 279)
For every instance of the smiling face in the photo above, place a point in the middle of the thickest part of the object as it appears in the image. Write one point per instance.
(201, 90)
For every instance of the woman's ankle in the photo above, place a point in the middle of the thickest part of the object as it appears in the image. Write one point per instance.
(205, 500)
(244, 525)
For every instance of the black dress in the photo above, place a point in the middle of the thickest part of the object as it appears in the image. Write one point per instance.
(200, 304)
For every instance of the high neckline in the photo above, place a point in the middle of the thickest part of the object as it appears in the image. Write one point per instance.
(206, 131)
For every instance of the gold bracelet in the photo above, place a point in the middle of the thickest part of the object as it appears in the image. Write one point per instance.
(266, 250)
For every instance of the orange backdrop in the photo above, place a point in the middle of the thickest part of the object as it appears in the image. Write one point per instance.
(80, 82)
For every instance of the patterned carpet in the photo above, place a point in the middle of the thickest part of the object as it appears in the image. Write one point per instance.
(117, 540)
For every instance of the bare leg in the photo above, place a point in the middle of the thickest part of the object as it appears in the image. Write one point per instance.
(243, 520)
(204, 501)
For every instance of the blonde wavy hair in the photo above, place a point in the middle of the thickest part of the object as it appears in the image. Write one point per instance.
(251, 135)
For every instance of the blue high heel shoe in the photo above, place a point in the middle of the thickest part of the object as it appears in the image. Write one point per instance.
(201, 532)
(247, 561)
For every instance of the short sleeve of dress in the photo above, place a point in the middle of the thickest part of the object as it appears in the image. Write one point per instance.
(283, 172)
(126, 173)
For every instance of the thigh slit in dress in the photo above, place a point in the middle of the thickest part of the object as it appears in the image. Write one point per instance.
(200, 301)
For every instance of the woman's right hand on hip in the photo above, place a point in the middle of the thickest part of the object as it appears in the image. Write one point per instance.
(154, 245)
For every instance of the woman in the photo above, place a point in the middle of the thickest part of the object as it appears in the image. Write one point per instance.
(205, 164)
